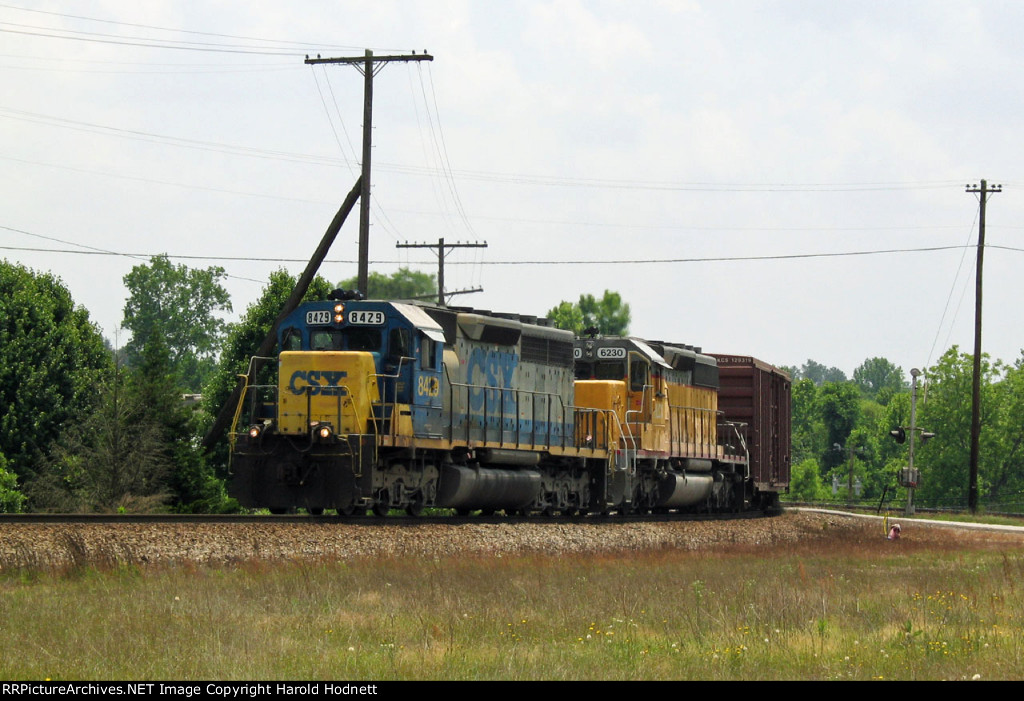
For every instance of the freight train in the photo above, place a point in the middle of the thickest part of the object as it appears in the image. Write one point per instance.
(384, 405)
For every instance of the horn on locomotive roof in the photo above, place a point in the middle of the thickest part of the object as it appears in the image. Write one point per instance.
(340, 295)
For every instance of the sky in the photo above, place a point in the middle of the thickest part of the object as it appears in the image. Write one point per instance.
(779, 179)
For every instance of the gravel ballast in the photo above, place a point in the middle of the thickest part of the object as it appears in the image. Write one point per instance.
(59, 545)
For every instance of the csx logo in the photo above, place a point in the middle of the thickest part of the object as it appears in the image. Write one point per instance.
(323, 382)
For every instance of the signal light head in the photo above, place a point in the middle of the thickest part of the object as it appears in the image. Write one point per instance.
(925, 435)
(899, 434)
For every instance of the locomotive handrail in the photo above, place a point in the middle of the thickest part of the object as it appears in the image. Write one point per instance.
(392, 432)
(241, 397)
(682, 415)
(252, 391)
(624, 431)
(740, 435)
(238, 413)
(645, 413)
(516, 395)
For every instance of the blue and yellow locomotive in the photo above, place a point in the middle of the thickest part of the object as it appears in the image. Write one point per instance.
(389, 405)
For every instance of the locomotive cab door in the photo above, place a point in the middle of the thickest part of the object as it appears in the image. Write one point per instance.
(648, 404)
(398, 366)
(426, 384)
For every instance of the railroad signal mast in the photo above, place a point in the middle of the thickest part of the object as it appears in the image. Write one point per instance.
(910, 476)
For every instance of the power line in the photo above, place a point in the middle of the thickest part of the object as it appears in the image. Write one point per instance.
(517, 220)
(167, 29)
(949, 299)
(509, 178)
(651, 261)
(94, 251)
(158, 43)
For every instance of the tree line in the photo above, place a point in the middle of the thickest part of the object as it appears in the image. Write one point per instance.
(842, 432)
(86, 425)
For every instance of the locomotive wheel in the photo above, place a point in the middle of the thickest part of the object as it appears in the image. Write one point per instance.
(381, 508)
(348, 510)
(463, 513)
(415, 507)
(316, 511)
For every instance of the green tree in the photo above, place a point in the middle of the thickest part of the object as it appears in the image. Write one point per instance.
(840, 411)
(192, 485)
(567, 316)
(807, 429)
(879, 379)
(819, 374)
(11, 498)
(184, 304)
(856, 461)
(111, 459)
(402, 284)
(609, 314)
(946, 411)
(51, 359)
(805, 482)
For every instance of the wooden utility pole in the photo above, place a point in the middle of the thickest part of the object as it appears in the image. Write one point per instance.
(442, 251)
(972, 483)
(368, 65)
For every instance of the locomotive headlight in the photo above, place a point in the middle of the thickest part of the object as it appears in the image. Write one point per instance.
(339, 313)
(323, 432)
(255, 431)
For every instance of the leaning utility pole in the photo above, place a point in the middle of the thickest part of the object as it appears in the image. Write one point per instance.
(442, 251)
(227, 409)
(972, 483)
(368, 65)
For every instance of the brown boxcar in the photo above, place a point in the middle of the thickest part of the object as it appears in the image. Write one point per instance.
(758, 394)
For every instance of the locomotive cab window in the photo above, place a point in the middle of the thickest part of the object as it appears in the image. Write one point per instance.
(609, 370)
(325, 340)
(426, 354)
(291, 339)
(583, 371)
(639, 372)
(399, 344)
(364, 339)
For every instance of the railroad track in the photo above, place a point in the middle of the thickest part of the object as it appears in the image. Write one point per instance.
(399, 519)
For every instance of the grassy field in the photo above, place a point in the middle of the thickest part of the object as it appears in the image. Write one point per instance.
(850, 608)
